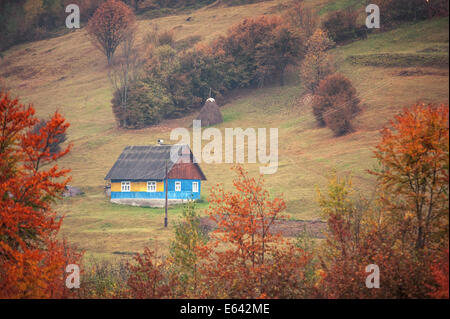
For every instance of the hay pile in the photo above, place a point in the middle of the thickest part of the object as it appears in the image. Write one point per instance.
(210, 113)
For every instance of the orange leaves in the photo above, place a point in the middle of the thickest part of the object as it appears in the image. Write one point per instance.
(109, 26)
(31, 259)
(244, 258)
(414, 179)
(440, 274)
(150, 277)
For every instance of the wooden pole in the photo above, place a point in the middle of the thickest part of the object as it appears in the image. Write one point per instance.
(166, 191)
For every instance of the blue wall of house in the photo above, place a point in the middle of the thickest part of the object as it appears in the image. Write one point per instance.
(185, 193)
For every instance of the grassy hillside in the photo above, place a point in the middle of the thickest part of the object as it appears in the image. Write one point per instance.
(69, 74)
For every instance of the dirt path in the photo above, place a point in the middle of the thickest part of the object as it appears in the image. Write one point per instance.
(288, 228)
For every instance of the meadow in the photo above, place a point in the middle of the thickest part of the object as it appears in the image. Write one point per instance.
(390, 70)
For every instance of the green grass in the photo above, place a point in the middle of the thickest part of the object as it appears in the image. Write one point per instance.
(340, 5)
(430, 35)
(307, 154)
(399, 60)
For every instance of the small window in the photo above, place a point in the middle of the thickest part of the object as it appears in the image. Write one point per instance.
(126, 186)
(195, 187)
(151, 186)
(178, 186)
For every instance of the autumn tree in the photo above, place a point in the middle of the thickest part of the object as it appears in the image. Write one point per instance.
(337, 257)
(110, 25)
(404, 231)
(360, 234)
(302, 18)
(32, 259)
(336, 104)
(150, 277)
(318, 63)
(55, 147)
(259, 50)
(124, 74)
(244, 257)
(341, 25)
(282, 47)
(414, 180)
(183, 249)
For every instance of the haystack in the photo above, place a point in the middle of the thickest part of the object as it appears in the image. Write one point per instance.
(210, 113)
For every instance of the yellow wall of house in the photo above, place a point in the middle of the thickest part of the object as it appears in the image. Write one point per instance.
(137, 187)
(115, 187)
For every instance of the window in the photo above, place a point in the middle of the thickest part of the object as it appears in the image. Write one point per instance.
(178, 186)
(151, 186)
(126, 186)
(195, 187)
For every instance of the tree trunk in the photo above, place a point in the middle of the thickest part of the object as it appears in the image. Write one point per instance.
(282, 76)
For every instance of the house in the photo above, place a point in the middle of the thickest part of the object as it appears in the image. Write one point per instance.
(138, 176)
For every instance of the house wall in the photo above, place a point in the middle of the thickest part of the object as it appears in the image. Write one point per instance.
(137, 186)
(139, 190)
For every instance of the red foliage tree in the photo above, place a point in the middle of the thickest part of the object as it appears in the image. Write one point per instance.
(110, 25)
(244, 257)
(150, 277)
(32, 260)
(440, 274)
(414, 177)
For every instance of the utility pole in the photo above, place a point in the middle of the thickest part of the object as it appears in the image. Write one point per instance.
(166, 191)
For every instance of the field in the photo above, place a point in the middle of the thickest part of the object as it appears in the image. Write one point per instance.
(390, 70)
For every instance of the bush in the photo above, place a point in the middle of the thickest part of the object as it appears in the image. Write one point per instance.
(339, 118)
(341, 25)
(166, 38)
(411, 10)
(335, 104)
(147, 103)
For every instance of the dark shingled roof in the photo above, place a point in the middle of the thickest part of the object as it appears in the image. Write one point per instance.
(144, 162)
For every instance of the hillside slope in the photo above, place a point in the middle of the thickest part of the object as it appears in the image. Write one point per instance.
(69, 74)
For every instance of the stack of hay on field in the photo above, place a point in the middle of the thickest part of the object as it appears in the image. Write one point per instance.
(210, 113)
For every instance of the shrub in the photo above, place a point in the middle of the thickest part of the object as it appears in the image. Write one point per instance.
(339, 117)
(166, 38)
(395, 11)
(341, 25)
(335, 103)
(147, 104)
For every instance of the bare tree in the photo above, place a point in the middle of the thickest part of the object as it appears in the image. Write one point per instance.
(127, 70)
(303, 18)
